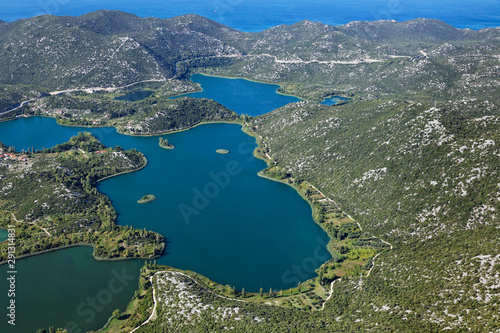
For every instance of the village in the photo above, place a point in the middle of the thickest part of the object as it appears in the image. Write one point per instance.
(10, 156)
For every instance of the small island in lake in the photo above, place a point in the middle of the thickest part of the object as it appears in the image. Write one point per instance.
(164, 144)
(146, 199)
(222, 151)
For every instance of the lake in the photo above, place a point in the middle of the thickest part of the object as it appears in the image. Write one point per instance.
(54, 289)
(240, 95)
(242, 229)
(219, 217)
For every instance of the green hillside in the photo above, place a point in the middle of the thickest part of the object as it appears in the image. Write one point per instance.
(412, 157)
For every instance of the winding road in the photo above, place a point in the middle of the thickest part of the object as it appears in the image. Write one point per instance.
(153, 314)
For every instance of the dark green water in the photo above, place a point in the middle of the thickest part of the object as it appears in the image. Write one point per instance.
(3, 235)
(135, 96)
(220, 218)
(58, 289)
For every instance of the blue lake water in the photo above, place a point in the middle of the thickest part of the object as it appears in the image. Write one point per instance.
(240, 95)
(257, 15)
(219, 217)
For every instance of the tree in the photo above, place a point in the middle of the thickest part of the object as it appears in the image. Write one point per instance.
(260, 292)
(270, 292)
(299, 287)
(242, 292)
(116, 313)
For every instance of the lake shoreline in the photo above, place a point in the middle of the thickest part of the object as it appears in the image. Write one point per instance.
(145, 160)
(64, 247)
(145, 163)
(251, 80)
(274, 84)
(238, 121)
(292, 185)
(182, 129)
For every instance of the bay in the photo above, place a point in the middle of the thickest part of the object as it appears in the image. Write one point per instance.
(240, 95)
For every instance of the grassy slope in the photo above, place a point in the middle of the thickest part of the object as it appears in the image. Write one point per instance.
(423, 178)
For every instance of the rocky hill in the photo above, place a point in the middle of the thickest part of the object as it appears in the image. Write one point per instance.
(413, 156)
(310, 59)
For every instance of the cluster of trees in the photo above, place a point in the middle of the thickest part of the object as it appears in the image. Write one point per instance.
(164, 143)
(84, 141)
(183, 112)
(11, 96)
(58, 193)
(154, 114)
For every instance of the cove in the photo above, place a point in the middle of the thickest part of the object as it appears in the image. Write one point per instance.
(245, 96)
(53, 289)
(334, 100)
(240, 95)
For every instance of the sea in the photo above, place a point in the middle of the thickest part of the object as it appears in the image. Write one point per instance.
(258, 15)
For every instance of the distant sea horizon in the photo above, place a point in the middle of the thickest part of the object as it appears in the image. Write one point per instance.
(258, 15)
